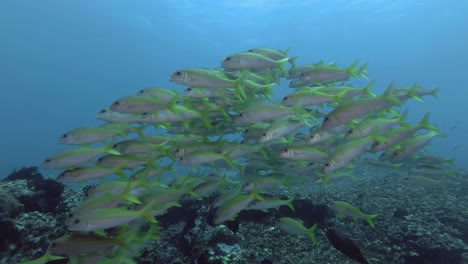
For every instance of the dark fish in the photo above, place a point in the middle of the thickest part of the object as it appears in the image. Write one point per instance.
(345, 245)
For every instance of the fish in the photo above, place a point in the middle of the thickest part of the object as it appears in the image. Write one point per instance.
(345, 245)
(89, 135)
(412, 145)
(423, 181)
(105, 218)
(271, 203)
(350, 110)
(293, 226)
(73, 157)
(345, 153)
(140, 104)
(85, 173)
(252, 60)
(345, 209)
(322, 74)
(397, 135)
(307, 153)
(77, 244)
(230, 208)
(208, 78)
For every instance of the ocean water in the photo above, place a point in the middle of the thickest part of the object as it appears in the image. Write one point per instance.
(62, 61)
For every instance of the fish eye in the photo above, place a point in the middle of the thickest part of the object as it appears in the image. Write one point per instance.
(64, 135)
(103, 111)
(327, 164)
(178, 73)
(77, 221)
(189, 89)
(240, 115)
(246, 131)
(227, 59)
(350, 131)
(140, 92)
(285, 98)
(326, 118)
(376, 144)
(116, 103)
(264, 134)
(47, 160)
(53, 244)
(285, 150)
(100, 159)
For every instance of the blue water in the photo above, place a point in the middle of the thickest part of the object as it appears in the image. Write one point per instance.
(63, 61)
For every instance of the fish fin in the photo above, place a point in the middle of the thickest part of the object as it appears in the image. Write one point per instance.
(351, 69)
(310, 232)
(367, 89)
(47, 257)
(370, 218)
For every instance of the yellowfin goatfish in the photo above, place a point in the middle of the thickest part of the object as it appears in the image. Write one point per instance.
(345, 209)
(252, 60)
(357, 108)
(293, 226)
(73, 157)
(345, 153)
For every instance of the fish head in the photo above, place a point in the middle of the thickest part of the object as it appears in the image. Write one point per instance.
(231, 62)
(75, 223)
(288, 101)
(314, 138)
(328, 166)
(351, 133)
(66, 139)
(329, 121)
(248, 187)
(180, 76)
(190, 92)
(378, 145)
(286, 153)
(397, 155)
(242, 119)
(179, 152)
(265, 137)
(104, 114)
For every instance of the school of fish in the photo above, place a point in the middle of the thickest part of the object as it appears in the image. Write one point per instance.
(224, 135)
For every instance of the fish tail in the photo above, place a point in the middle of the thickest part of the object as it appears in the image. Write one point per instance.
(146, 212)
(412, 93)
(310, 232)
(352, 70)
(292, 61)
(424, 123)
(367, 89)
(281, 66)
(289, 204)
(387, 95)
(240, 92)
(434, 92)
(370, 218)
(46, 258)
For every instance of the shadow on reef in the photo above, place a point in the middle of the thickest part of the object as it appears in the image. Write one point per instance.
(199, 250)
